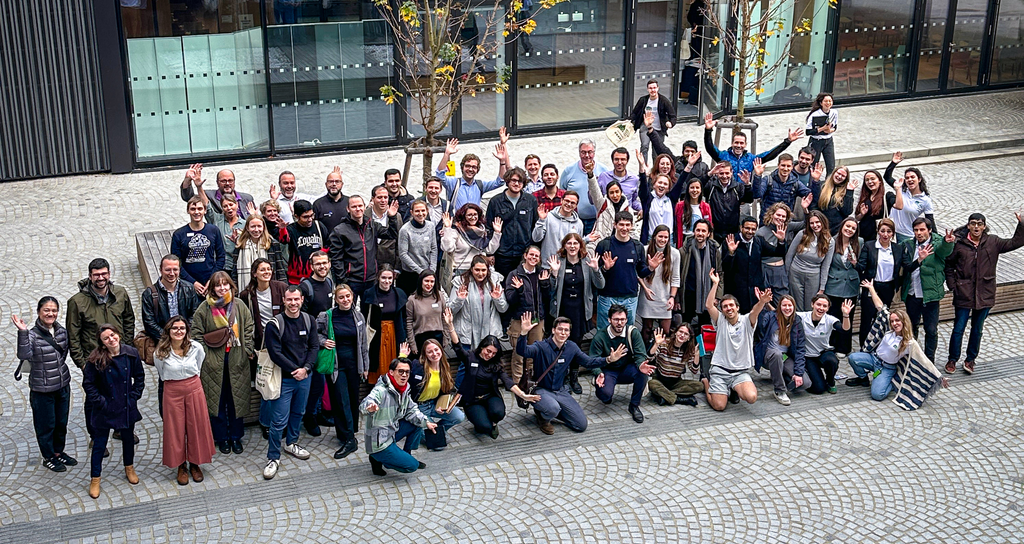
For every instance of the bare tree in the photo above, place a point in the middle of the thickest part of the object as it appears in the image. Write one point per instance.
(757, 22)
(443, 49)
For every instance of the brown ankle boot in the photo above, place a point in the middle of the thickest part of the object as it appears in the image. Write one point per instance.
(182, 474)
(129, 471)
(94, 488)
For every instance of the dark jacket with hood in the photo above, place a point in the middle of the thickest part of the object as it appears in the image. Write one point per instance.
(114, 392)
(156, 313)
(971, 270)
(529, 297)
(49, 370)
(353, 248)
(86, 314)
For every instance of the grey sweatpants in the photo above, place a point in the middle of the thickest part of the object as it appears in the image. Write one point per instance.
(781, 371)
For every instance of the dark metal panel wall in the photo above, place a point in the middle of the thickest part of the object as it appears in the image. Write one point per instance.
(51, 106)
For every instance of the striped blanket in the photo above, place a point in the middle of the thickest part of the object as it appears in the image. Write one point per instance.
(916, 377)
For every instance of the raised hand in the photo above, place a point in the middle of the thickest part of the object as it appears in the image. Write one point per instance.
(654, 261)
(640, 160)
(868, 284)
(393, 209)
(446, 218)
(274, 192)
(463, 292)
(780, 233)
(194, 172)
(694, 158)
(451, 146)
(588, 167)
(646, 368)
(745, 177)
(898, 185)
(714, 276)
(593, 262)
(847, 307)
(448, 317)
(617, 353)
(554, 263)
(709, 121)
(18, 322)
(542, 212)
(852, 184)
(501, 153)
(337, 170)
(503, 135)
(497, 291)
(950, 237)
(864, 209)
(795, 134)
(732, 243)
(649, 119)
(251, 208)
(526, 323)
(497, 224)
(544, 274)
(608, 260)
(758, 167)
(403, 349)
(818, 172)
(593, 236)
(659, 336)
(516, 282)
(897, 157)
(924, 252)
(806, 201)
(763, 296)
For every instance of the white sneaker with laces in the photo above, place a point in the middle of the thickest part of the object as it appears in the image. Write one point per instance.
(296, 451)
(782, 397)
(270, 470)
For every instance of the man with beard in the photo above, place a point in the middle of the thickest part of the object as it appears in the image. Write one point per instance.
(331, 208)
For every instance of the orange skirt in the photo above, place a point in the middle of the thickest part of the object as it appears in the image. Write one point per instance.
(187, 434)
(387, 352)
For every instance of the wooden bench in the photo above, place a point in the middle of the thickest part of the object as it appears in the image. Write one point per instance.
(151, 247)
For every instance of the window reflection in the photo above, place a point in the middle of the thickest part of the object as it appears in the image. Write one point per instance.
(1008, 51)
(872, 53)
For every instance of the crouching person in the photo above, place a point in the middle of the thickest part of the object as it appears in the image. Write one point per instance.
(391, 415)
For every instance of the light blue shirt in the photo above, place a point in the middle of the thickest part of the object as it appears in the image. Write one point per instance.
(467, 193)
(574, 178)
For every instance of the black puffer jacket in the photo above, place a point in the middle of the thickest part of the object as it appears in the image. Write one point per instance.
(49, 368)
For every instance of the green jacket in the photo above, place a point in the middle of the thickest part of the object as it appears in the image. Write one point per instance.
(933, 269)
(86, 314)
(601, 346)
(212, 372)
(392, 408)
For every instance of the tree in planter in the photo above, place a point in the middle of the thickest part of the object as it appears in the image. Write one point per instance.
(757, 22)
(441, 52)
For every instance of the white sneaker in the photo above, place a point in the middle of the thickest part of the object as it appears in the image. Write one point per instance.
(296, 451)
(782, 397)
(270, 470)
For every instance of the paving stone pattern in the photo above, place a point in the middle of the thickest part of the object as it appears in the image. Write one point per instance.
(827, 469)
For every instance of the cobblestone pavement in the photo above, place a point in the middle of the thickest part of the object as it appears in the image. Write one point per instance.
(838, 468)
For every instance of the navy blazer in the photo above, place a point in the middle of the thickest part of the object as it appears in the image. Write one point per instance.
(767, 325)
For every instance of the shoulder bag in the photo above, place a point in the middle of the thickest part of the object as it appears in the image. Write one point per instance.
(268, 374)
(142, 342)
(530, 386)
(326, 358)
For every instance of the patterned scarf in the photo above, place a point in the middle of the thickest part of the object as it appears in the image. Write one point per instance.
(477, 236)
(221, 308)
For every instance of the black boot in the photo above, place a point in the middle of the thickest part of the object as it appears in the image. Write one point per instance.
(687, 401)
(311, 426)
(378, 467)
(346, 449)
(574, 382)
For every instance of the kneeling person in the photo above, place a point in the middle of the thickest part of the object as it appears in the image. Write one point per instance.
(391, 415)
(551, 360)
(734, 348)
(631, 369)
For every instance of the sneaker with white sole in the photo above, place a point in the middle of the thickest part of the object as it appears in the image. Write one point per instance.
(296, 451)
(782, 397)
(270, 470)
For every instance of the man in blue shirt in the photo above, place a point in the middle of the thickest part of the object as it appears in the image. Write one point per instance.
(465, 189)
(574, 178)
(551, 360)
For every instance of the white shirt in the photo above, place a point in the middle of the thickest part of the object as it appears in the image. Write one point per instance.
(816, 337)
(652, 106)
(288, 204)
(660, 212)
(888, 350)
(915, 277)
(734, 344)
(175, 367)
(886, 263)
(914, 206)
(265, 303)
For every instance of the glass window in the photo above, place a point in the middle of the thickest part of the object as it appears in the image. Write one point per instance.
(655, 46)
(872, 53)
(196, 77)
(328, 60)
(485, 112)
(1008, 52)
(933, 39)
(573, 70)
(965, 49)
(800, 48)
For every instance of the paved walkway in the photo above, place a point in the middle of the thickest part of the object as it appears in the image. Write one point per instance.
(839, 468)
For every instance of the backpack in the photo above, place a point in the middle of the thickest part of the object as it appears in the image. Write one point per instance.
(455, 194)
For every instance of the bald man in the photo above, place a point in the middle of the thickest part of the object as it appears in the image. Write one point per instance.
(225, 186)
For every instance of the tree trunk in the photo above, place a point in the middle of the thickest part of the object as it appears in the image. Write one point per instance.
(428, 171)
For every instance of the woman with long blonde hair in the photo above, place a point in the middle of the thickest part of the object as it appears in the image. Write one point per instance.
(892, 339)
(781, 332)
(836, 200)
(433, 384)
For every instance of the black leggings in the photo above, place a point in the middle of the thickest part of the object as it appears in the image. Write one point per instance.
(484, 413)
(821, 370)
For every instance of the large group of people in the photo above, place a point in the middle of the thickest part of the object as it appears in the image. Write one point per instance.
(393, 310)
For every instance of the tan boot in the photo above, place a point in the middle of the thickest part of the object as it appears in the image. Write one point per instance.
(129, 471)
(94, 488)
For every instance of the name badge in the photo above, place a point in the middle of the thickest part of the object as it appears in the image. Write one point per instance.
(302, 333)
(274, 307)
(568, 271)
(629, 260)
(561, 360)
(381, 304)
(418, 377)
(434, 305)
(474, 365)
(522, 212)
(189, 234)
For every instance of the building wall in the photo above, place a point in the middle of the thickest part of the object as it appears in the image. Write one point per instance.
(51, 107)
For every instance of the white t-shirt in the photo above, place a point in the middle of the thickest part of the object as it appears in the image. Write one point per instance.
(266, 306)
(734, 344)
(886, 264)
(816, 338)
(652, 106)
(914, 206)
(888, 349)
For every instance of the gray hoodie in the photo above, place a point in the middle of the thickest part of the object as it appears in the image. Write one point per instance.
(552, 229)
(476, 316)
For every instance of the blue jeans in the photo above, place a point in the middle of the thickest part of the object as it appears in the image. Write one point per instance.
(629, 374)
(286, 414)
(863, 363)
(448, 419)
(561, 406)
(956, 339)
(604, 303)
(397, 458)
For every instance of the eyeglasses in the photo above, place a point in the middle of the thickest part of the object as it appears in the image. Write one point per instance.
(402, 372)
(975, 223)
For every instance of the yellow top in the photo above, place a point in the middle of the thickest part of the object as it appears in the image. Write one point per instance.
(432, 388)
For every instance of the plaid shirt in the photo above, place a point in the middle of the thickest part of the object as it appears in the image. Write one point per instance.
(549, 203)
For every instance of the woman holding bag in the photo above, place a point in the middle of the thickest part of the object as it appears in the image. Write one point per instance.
(188, 440)
(342, 332)
(113, 380)
(225, 329)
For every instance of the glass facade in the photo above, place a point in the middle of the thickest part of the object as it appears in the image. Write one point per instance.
(221, 78)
